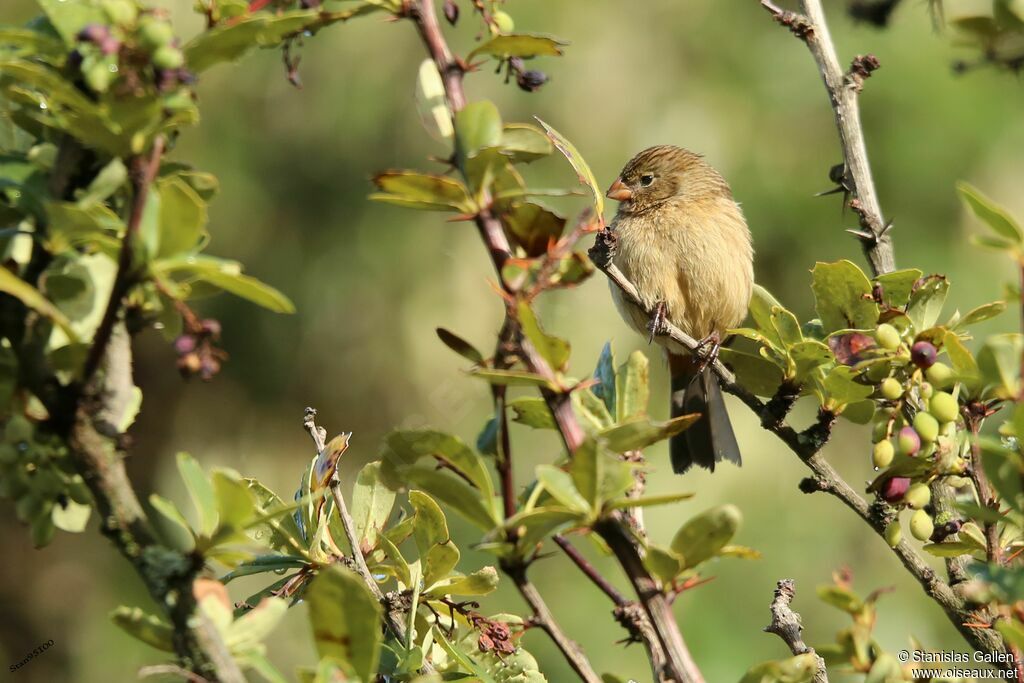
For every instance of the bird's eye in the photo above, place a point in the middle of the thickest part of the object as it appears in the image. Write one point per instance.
(646, 179)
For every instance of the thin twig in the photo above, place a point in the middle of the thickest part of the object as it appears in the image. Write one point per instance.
(543, 618)
(395, 620)
(786, 624)
(843, 87)
(143, 172)
(590, 570)
(986, 495)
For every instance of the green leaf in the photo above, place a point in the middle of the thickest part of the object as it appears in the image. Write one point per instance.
(591, 409)
(481, 582)
(71, 516)
(840, 386)
(797, 669)
(950, 549)
(184, 537)
(532, 411)
(236, 505)
(756, 373)
(999, 363)
(809, 355)
(663, 563)
(455, 494)
(533, 227)
(1012, 631)
(249, 630)
(372, 502)
(438, 553)
(535, 525)
(513, 378)
(586, 176)
(840, 598)
(182, 218)
(431, 102)
(24, 42)
(201, 491)
(604, 373)
(110, 178)
(964, 365)
(991, 213)
(926, 302)
(460, 346)
(640, 432)
(897, 286)
(264, 563)
(477, 126)
(631, 387)
(762, 303)
(346, 619)
(842, 295)
(280, 532)
(70, 17)
(552, 349)
(560, 485)
(647, 501)
(149, 226)
(150, 629)
(523, 143)
(980, 314)
(31, 297)
(251, 289)
(230, 41)
(423, 191)
(408, 446)
(525, 45)
(703, 536)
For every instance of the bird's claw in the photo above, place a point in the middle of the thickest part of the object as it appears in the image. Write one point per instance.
(656, 325)
(706, 351)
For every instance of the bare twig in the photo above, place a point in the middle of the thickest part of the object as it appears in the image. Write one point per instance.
(983, 487)
(393, 616)
(843, 87)
(590, 571)
(786, 624)
(543, 618)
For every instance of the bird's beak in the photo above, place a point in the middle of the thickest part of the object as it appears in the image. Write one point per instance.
(618, 191)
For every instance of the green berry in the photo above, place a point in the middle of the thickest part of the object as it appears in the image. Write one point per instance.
(167, 57)
(876, 372)
(940, 375)
(917, 496)
(891, 388)
(921, 525)
(121, 12)
(944, 407)
(883, 454)
(893, 533)
(888, 337)
(503, 22)
(154, 33)
(926, 426)
(927, 390)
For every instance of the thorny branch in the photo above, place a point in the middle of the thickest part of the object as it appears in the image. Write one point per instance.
(786, 624)
(679, 665)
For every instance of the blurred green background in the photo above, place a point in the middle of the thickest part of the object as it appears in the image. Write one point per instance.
(372, 281)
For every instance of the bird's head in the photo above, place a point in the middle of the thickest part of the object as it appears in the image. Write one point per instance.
(663, 173)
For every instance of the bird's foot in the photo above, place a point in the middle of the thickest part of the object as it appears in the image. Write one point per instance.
(706, 351)
(656, 325)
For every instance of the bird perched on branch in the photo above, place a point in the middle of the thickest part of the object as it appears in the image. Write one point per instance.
(683, 241)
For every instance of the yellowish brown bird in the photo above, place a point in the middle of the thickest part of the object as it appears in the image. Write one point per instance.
(683, 241)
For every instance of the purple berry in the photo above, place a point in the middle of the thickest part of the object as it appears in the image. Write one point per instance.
(110, 45)
(531, 80)
(185, 344)
(211, 327)
(894, 489)
(451, 12)
(908, 441)
(923, 354)
(94, 33)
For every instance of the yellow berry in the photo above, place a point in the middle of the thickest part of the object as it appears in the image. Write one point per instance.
(893, 533)
(921, 525)
(883, 454)
(917, 496)
(891, 388)
(926, 426)
(944, 407)
(888, 337)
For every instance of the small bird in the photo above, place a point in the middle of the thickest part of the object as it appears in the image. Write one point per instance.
(683, 241)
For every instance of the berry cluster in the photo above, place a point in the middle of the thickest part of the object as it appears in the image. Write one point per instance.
(917, 431)
(137, 48)
(198, 353)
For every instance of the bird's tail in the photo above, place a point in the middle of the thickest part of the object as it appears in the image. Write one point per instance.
(710, 439)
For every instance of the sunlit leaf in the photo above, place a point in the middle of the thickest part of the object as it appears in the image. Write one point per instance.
(422, 191)
(991, 213)
(523, 45)
(586, 176)
(842, 295)
(703, 536)
(346, 618)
